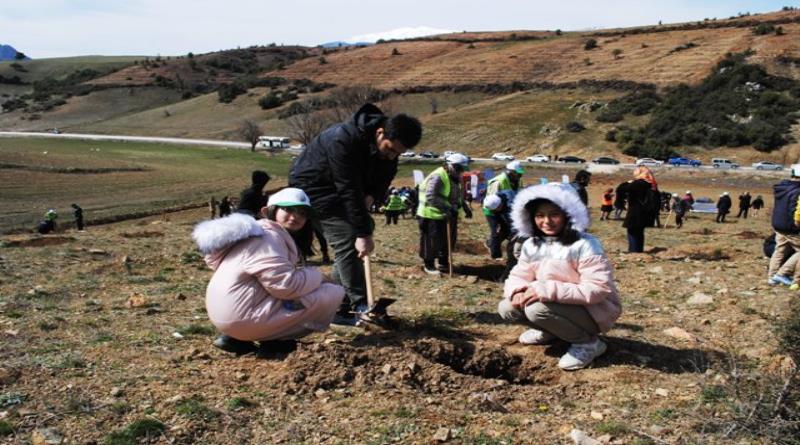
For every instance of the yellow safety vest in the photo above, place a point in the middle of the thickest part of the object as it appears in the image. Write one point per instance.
(430, 212)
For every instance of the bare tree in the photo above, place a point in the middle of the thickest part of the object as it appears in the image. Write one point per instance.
(347, 100)
(250, 132)
(306, 126)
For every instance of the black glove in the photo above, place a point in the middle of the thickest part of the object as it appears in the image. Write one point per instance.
(468, 212)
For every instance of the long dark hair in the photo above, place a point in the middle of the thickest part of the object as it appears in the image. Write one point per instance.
(303, 238)
(567, 236)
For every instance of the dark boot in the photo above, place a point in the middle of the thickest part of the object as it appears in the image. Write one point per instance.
(230, 344)
(276, 347)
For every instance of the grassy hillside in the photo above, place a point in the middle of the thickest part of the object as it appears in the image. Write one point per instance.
(59, 67)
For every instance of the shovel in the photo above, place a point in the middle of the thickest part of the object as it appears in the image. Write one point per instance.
(376, 310)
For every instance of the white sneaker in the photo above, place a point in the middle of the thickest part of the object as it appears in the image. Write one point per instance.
(580, 355)
(536, 337)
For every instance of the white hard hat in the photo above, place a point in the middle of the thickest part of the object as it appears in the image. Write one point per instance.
(688, 192)
(796, 170)
(457, 159)
(289, 197)
(515, 166)
(724, 194)
(492, 202)
(674, 195)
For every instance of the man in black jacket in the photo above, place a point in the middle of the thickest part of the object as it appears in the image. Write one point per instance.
(343, 171)
(252, 198)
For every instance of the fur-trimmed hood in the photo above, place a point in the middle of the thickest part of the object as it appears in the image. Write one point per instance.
(562, 195)
(217, 234)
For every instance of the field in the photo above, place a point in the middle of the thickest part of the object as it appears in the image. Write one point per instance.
(105, 338)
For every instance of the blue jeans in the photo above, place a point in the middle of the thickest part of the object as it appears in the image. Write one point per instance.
(499, 229)
(635, 239)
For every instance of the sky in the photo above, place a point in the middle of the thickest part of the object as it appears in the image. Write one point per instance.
(62, 28)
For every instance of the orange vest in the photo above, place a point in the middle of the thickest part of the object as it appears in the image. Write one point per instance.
(607, 200)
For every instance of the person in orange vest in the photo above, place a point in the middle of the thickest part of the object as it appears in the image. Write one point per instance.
(607, 204)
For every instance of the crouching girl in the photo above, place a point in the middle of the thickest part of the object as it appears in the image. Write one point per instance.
(563, 284)
(258, 291)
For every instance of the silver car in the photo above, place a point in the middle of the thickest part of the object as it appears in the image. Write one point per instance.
(766, 165)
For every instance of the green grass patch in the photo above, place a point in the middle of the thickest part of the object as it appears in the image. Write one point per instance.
(612, 427)
(6, 428)
(139, 429)
(195, 409)
(237, 403)
(197, 329)
(712, 394)
(71, 361)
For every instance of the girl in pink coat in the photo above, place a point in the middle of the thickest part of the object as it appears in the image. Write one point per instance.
(563, 284)
(258, 291)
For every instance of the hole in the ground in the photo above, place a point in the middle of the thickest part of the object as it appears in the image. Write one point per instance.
(489, 272)
(486, 361)
(39, 241)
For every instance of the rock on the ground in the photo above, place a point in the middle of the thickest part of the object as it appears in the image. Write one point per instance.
(700, 299)
(676, 332)
(46, 436)
(9, 376)
(442, 435)
(581, 438)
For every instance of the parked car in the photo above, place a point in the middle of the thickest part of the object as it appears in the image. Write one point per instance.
(649, 162)
(571, 160)
(724, 163)
(677, 162)
(408, 154)
(448, 153)
(766, 165)
(502, 157)
(605, 160)
(704, 205)
(429, 155)
(538, 158)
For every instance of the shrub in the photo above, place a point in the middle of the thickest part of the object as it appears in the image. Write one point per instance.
(395, 52)
(141, 428)
(590, 44)
(229, 91)
(271, 100)
(763, 29)
(575, 127)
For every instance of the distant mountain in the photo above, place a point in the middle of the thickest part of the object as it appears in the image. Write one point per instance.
(7, 52)
(340, 43)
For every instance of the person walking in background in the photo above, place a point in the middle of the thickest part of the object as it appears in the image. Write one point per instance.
(724, 205)
(252, 198)
(787, 232)
(344, 170)
(744, 205)
(619, 202)
(580, 183)
(212, 207)
(563, 284)
(77, 211)
(757, 205)
(679, 207)
(439, 203)
(259, 292)
(224, 206)
(607, 204)
(644, 202)
(510, 179)
(394, 207)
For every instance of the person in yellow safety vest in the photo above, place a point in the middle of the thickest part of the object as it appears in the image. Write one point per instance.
(511, 179)
(394, 207)
(439, 201)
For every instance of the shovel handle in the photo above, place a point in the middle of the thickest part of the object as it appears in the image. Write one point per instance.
(368, 276)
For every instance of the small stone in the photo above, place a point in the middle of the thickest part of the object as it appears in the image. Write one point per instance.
(581, 438)
(662, 392)
(679, 333)
(136, 300)
(700, 299)
(175, 399)
(413, 367)
(657, 430)
(180, 296)
(116, 392)
(605, 438)
(747, 293)
(242, 376)
(722, 291)
(11, 332)
(473, 279)
(433, 291)
(387, 368)
(98, 252)
(694, 280)
(177, 335)
(596, 415)
(705, 321)
(656, 270)
(442, 435)
(320, 392)
(46, 436)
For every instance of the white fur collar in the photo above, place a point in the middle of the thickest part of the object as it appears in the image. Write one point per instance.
(215, 234)
(562, 195)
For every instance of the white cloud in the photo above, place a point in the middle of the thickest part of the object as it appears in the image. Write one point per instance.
(399, 33)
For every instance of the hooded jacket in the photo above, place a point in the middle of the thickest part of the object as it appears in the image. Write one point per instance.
(786, 194)
(255, 273)
(341, 166)
(578, 273)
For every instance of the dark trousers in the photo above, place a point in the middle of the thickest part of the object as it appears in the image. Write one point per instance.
(391, 216)
(499, 230)
(635, 239)
(721, 217)
(79, 223)
(679, 220)
(323, 243)
(348, 269)
(433, 242)
(743, 212)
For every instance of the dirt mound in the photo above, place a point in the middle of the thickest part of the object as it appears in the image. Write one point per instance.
(700, 252)
(142, 234)
(472, 247)
(428, 365)
(749, 234)
(38, 241)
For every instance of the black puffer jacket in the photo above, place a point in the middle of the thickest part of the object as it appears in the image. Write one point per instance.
(638, 215)
(341, 166)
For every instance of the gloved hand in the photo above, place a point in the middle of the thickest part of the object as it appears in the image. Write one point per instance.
(468, 212)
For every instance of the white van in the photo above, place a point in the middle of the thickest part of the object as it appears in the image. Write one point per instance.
(272, 142)
(724, 163)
